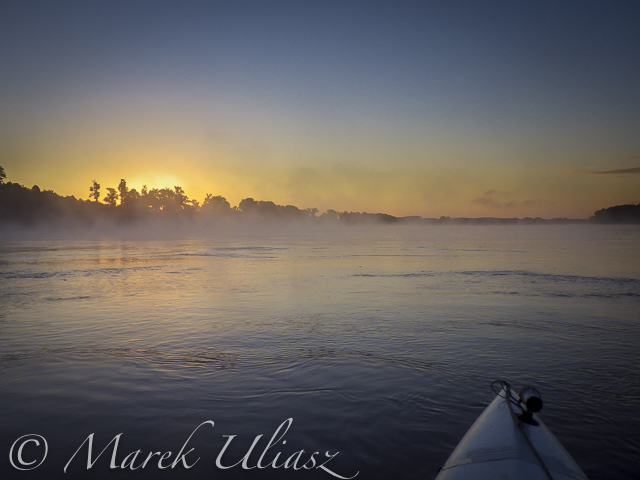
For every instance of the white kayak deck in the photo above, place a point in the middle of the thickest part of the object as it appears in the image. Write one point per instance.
(495, 448)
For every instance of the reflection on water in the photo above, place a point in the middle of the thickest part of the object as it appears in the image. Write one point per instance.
(380, 344)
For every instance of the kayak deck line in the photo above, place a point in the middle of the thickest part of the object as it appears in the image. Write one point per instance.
(527, 417)
(491, 454)
(501, 444)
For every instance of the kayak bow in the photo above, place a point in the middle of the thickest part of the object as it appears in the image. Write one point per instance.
(508, 441)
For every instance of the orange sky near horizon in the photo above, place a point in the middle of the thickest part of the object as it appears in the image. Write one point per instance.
(449, 189)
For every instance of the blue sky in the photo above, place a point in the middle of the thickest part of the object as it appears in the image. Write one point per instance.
(457, 108)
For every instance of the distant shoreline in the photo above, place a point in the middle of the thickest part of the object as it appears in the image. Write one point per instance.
(25, 207)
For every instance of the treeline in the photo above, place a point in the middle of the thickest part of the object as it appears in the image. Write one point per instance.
(30, 206)
(617, 214)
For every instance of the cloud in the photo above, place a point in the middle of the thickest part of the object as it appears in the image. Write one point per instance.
(620, 171)
(496, 199)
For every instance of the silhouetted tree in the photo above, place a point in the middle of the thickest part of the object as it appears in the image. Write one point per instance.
(111, 198)
(185, 204)
(358, 218)
(168, 202)
(329, 215)
(268, 209)
(94, 191)
(180, 198)
(247, 205)
(26, 206)
(132, 197)
(214, 206)
(3, 175)
(122, 188)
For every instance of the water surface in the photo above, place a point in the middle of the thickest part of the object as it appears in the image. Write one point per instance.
(380, 344)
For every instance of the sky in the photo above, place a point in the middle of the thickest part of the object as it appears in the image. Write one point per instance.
(456, 108)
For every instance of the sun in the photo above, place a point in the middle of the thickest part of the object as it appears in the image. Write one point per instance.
(154, 179)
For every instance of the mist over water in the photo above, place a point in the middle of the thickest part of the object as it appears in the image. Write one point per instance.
(378, 341)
